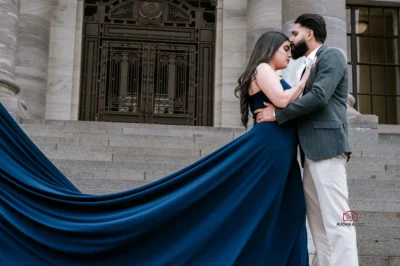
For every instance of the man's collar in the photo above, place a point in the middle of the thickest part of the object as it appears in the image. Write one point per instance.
(313, 53)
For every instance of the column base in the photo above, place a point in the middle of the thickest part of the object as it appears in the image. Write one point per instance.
(8, 98)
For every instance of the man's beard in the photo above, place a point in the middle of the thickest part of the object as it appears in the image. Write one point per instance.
(299, 50)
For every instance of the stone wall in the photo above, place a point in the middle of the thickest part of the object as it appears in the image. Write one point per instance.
(61, 77)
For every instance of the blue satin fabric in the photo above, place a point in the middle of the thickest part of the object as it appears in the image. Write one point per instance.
(241, 205)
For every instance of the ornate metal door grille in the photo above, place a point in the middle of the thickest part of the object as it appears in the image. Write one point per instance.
(148, 61)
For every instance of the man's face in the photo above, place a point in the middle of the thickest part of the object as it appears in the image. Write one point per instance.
(298, 41)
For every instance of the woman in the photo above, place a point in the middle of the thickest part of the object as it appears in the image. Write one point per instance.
(241, 205)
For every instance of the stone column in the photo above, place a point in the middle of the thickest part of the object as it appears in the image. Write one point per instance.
(33, 55)
(233, 58)
(9, 16)
(262, 16)
(334, 13)
(218, 66)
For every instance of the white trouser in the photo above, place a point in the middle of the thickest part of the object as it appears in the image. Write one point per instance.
(327, 199)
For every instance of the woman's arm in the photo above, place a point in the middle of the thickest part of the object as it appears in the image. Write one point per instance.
(269, 83)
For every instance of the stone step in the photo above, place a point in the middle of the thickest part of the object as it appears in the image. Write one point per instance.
(393, 167)
(372, 252)
(389, 138)
(378, 261)
(374, 184)
(75, 148)
(381, 152)
(71, 167)
(87, 125)
(381, 247)
(378, 232)
(375, 205)
(115, 174)
(372, 247)
(116, 157)
(34, 129)
(373, 160)
(366, 167)
(394, 142)
(372, 260)
(135, 141)
(373, 175)
(118, 185)
(384, 194)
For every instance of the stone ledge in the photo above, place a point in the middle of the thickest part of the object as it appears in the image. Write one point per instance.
(389, 129)
(363, 121)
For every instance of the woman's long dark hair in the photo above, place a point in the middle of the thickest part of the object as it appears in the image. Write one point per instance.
(264, 50)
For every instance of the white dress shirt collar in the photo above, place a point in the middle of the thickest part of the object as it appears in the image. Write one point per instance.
(312, 55)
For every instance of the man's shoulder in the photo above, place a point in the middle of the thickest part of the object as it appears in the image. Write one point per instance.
(332, 54)
(332, 51)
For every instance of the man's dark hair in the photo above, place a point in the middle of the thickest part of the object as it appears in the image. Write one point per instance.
(314, 22)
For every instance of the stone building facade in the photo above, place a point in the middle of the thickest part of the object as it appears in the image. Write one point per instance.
(174, 61)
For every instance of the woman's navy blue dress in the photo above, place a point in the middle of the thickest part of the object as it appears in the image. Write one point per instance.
(241, 205)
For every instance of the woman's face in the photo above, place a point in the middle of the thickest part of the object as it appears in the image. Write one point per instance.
(282, 56)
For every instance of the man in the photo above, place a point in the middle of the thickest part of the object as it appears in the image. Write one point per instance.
(322, 129)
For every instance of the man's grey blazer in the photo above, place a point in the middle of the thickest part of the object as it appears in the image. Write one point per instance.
(321, 111)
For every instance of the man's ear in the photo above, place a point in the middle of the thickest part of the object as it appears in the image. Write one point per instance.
(310, 35)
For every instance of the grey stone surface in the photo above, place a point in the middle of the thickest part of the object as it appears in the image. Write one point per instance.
(394, 261)
(85, 184)
(378, 232)
(384, 194)
(375, 205)
(33, 54)
(393, 167)
(379, 218)
(373, 175)
(80, 141)
(102, 174)
(9, 19)
(291, 9)
(128, 150)
(374, 160)
(153, 158)
(61, 100)
(360, 136)
(374, 184)
(262, 16)
(79, 155)
(364, 121)
(81, 166)
(366, 167)
(373, 261)
(386, 247)
(233, 58)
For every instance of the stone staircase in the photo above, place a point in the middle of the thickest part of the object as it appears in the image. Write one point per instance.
(103, 157)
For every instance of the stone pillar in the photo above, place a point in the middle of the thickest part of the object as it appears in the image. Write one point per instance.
(33, 55)
(262, 16)
(233, 57)
(218, 65)
(334, 13)
(9, 16)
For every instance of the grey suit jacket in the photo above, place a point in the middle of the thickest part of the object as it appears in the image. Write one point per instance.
(321, 112)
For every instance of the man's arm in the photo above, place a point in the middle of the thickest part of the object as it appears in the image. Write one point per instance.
(331, 69)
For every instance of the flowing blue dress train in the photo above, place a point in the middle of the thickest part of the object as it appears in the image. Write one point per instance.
(241, 205)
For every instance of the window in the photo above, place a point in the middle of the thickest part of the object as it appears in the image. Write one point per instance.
(373, 47)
